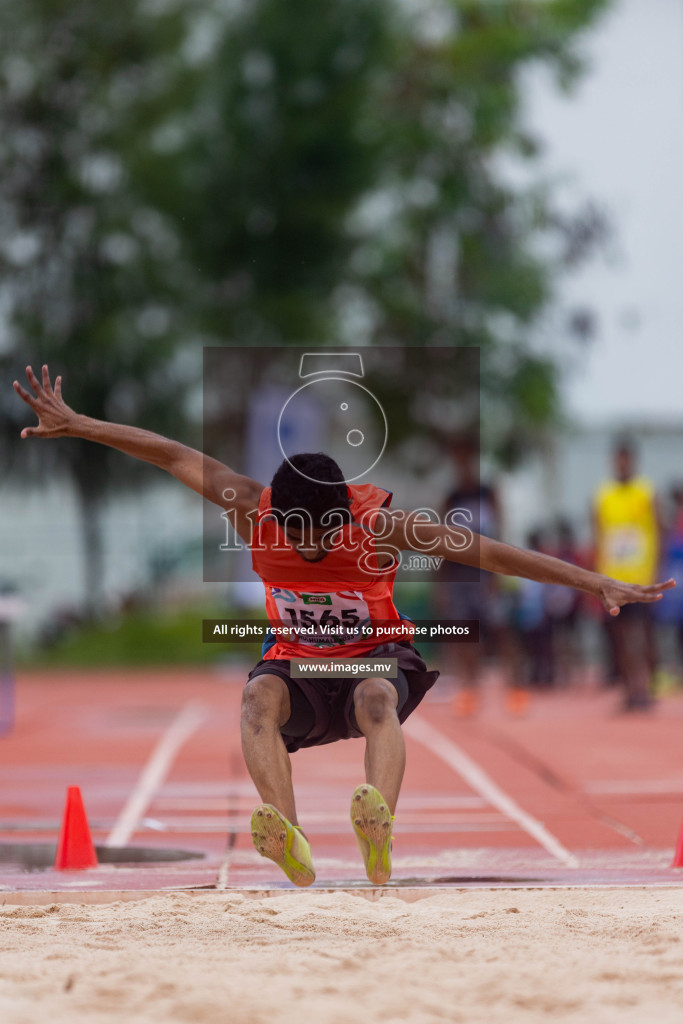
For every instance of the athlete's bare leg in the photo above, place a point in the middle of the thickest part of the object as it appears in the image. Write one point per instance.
(265, 708)
(375, 703)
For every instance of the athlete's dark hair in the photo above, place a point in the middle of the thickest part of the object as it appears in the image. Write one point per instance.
(311, 481)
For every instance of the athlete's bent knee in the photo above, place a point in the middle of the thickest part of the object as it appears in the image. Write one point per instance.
(265, 701)
(374, 702)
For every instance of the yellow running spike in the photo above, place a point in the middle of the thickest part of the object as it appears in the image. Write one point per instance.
(372, 823)
(276, 838)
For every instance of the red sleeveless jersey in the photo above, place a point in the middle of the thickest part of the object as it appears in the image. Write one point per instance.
(344, 591)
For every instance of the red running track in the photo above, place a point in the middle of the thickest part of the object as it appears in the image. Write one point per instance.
(572, 793)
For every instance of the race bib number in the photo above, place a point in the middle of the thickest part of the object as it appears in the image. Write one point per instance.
(322, 620)
(626, 545)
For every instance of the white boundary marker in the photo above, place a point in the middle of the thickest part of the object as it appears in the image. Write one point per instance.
(187, 721)
(451, 754)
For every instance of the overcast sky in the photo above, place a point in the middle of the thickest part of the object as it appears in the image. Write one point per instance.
(620, 136)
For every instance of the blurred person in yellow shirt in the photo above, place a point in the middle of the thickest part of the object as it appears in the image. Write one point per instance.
(627, 526)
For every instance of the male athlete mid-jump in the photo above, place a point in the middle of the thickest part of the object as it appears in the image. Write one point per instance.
(326, 553)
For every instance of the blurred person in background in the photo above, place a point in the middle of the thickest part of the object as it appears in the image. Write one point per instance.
(671, 611)
(627, 526)
(533, 625)
(564, 607)
(457, 595)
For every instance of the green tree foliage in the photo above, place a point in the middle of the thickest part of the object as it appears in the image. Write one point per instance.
(274, 160)
(352, 164)
(352, 187)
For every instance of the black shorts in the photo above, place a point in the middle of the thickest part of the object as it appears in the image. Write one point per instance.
(322, 709)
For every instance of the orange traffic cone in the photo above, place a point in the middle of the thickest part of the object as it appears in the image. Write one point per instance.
(75, 849)
(678, 856)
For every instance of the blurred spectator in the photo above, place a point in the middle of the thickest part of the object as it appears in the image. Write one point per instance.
(533, 624)
(627, 541)
(563, 607)
(457, 595)
(670, 609)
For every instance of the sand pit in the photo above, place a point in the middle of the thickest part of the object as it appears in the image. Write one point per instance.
(479, 955)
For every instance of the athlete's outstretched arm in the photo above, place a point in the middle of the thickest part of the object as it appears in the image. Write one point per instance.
(408, 531)
(210, 478)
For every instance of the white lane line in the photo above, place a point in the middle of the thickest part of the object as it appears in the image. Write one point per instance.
(449, 752)
(224, 871)
(179, 731)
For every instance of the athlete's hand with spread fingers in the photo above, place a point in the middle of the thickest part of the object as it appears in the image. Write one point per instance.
(615, 594)
(55, 418)
(212, 479)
